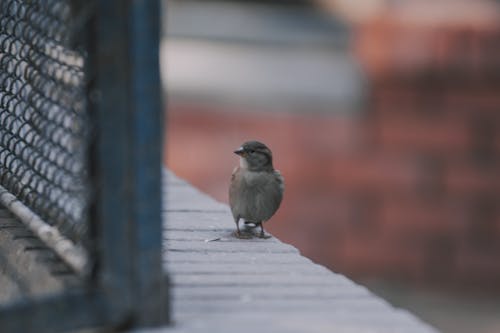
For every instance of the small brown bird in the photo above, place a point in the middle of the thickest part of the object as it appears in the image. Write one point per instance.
(256, 189)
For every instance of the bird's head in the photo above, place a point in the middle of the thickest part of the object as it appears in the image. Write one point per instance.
(255, 156)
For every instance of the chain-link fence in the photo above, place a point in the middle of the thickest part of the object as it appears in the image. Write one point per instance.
(80, 157)
(44, 121)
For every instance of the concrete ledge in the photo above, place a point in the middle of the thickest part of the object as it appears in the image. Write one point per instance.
(28, 268)
(224, 284)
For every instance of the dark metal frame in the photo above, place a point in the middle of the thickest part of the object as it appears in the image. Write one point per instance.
(128, 287)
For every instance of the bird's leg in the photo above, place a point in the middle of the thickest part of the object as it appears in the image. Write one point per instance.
(238, 231)
(262, 233)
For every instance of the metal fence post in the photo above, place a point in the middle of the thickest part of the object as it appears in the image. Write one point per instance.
(129, 112)
(147, 155)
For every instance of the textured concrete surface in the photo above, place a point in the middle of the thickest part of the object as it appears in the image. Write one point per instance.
(224, 284)
(220, 283)
(28, 268)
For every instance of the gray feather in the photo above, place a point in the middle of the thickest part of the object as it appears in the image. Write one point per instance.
(255, 195)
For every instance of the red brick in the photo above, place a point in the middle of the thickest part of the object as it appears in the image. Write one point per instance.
(410, 39)
(374, 173)
(402, 100)
(417, 135)
(478, 268)
(452, 101)
(414, 215)
(496, 144)
(484, 101)
(367, 257)
(497, 224)
(468, 179)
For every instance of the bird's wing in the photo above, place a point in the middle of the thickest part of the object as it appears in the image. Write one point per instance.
(235, 170)
(280, 180)
(232, 188)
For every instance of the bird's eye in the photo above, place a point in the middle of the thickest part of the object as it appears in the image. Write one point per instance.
(251, 151)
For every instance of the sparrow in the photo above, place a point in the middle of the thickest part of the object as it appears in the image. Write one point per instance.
(256, 188)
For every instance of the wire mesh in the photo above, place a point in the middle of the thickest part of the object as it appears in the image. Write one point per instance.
(44, 120)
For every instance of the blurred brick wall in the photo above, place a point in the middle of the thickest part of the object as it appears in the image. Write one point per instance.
(434, 73)
(409, 189)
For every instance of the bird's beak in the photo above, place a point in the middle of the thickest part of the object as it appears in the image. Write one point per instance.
(240, 151)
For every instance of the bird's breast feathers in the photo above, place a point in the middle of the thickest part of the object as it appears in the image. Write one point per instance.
(257, 178)
(256, 195)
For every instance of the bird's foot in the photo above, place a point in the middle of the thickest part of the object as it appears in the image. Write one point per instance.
(264, 235)
(241, 235)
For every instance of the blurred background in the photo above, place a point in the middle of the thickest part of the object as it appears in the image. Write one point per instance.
(384, 118)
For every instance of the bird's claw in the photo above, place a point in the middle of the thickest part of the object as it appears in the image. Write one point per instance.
(241, 235)
(264, 236)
